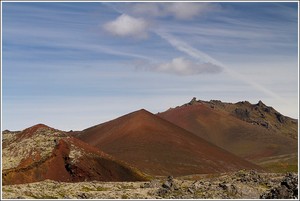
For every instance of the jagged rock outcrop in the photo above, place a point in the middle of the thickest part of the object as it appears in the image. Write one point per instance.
(193, 101)
(288, 189)
(256, 132)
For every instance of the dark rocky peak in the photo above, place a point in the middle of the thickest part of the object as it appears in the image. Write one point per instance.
(260, 104)
(193, 101)
(217, 103)
(263, 107)
(244, 103)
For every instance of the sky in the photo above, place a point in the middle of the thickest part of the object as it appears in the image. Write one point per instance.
(72, 65)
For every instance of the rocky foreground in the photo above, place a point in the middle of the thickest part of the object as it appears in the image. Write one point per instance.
(241, 184)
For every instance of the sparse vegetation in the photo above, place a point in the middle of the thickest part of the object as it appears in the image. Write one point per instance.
(124, 196)
(130, 186)
(100, 188)
(86, 189)
(17, 150)
(238, 185)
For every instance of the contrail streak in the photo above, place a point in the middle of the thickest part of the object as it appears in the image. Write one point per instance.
(197, 54)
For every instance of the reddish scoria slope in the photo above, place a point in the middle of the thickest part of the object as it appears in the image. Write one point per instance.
(41, 152)
(159, 147)
(249, 131)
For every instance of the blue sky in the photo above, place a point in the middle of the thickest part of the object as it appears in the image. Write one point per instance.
(74, 65)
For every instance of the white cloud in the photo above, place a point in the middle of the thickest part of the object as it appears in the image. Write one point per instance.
(183, 66)
(126, 25)
(179, 10)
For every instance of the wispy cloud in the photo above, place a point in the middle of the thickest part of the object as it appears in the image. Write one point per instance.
(53, 50)
(183, 10)
(45, 42)
(126, 25)
(180, 66)
(184, 47)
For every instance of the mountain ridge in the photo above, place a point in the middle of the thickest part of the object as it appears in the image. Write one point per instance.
(194, 138)
(148, 141)
(255, 132)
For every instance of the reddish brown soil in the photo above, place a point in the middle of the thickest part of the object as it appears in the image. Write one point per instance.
(159, 147)
(28, 132)
(92, 165)
(219, 127)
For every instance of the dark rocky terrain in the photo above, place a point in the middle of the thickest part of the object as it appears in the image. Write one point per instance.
(255, 132)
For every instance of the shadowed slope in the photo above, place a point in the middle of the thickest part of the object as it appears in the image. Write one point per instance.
(41, 152)
(237, 128)
(158, 147)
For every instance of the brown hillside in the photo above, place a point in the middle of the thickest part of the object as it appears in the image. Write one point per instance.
(41, 152)
(254, 132)
(259, 114)
(159, 147)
